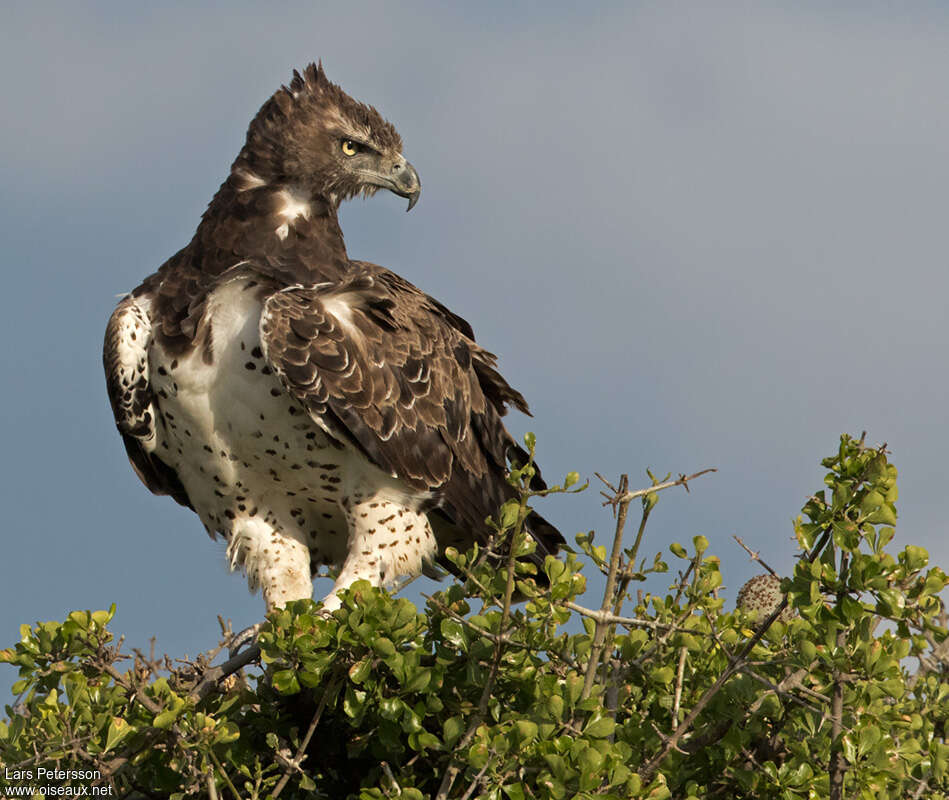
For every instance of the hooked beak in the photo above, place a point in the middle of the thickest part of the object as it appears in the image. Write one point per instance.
(407, 183)
(400, 178)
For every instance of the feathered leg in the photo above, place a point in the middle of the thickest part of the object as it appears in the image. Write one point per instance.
(387, 540)
(277, 563)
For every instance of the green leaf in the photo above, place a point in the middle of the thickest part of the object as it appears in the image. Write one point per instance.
(383, 647)
(425, 741)
(285, 681)
(600, 727)
(808, 650)
(515, 791)
(868, 738)
(884, 515)
(103, 618)
(354, 702)
(526, 730)
(359, 671)
(850, 608)
(478, 755)
(452, 729)
(419, 681)
(81, 618)
(890, 602)
(118, 730)
(165, 719)
(914, 558)
(454, 633)
(226, 732)
(509, 513)
(884, 535)
(571, 479)
(662, 675)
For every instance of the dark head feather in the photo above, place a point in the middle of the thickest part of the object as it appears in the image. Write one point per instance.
(294, 137)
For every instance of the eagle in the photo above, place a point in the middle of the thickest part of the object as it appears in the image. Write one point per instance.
(314, 411)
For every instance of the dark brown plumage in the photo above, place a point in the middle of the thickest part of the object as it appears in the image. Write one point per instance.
(311, 409)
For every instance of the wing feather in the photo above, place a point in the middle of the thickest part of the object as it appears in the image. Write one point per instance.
(384, 365)
(125, 358)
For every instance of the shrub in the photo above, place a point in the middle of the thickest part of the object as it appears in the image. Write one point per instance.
(642, 696)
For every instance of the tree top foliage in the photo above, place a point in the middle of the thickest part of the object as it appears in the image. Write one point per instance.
(834, 684)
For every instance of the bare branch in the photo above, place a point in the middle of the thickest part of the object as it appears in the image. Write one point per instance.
(213, 677)
(755, 555)
(837, 766)
(682, 480)
(648, 770)
(680, 673)
(608, 618)
(294, 764)
(224, 775)
(494, 638)
(599, 633)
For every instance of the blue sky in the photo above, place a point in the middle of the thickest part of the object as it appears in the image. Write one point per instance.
(695, 237)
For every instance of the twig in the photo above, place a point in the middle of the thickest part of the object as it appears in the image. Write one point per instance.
(469, 792)
(506, 608)
(755, 555)
(627, 574)
(610, 618)
(680, 673)
(227, 780)
(648, 770)
(611, 599)
(300, 756)
(388, 771)
(451, 773)
(599, 633)
(475, 781)
(682, 480)
(215, 675)
(494, 638)
(126, 684)
(836, 768)
(608, 485)
(792, 681)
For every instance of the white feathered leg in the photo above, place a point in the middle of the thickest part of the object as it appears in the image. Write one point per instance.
(277, 563)
(387, 541)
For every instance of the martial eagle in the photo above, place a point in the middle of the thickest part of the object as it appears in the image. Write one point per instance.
(311, 409)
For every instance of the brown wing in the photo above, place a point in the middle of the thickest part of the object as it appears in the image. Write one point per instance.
(379, 362)
(125, 358)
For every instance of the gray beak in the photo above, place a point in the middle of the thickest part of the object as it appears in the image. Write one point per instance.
(406, 182)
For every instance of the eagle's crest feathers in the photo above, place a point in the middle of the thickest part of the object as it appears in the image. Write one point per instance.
(296, 133)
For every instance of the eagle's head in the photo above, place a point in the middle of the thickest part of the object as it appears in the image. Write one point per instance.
(314, 138)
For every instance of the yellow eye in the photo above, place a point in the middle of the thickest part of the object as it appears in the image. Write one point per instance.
(349, 147)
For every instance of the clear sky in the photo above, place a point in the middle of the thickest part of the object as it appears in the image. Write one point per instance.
(695, 236)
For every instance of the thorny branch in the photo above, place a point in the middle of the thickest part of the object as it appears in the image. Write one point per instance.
(453, 770)
(633, 622)
(648, 770)
(292, 765)
(755, 555)
(616, 579)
